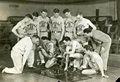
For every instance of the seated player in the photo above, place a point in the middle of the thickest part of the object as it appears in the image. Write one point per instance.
(94, 61)
(47, 49)
(73, 51)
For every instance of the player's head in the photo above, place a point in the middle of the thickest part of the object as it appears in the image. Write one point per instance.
(87, 31)
(79, 15)
(44, 38)
(28, 17)
(89, 49)
(35, 15)
(35, 39)
(56, 12)
(66, 12)
(66, 40)
(44, 12)
(62, 46)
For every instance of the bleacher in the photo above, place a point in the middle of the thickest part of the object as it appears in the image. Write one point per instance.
(7, 38)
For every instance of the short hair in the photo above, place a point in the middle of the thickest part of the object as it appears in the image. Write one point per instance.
(36, 36)
(78, 13)
(44, 10)
(66, 10)
(29, 16)
(87, 30)
(35, 14)
(66, 38)
(56, 10)
(89, 47)
(44, 38)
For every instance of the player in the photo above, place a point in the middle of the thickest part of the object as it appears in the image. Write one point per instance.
(43, 24)
(73, 50)
(69, 22)
(57, 26)
(94, 61)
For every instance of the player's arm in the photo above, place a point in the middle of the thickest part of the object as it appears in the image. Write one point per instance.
(92, 25)
(15, 28)
(51, 49)
(100, 65)
(74, 32)
(38, 29)
(63, 30)
(74, 44)
(50, 23)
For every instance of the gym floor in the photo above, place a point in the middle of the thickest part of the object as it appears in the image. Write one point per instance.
(52, 75)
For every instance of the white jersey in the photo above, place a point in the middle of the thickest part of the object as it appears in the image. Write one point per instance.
(31, 28)
(69, 23)
(83, 24)
(23, 27)
(43, 23)
(56, 23)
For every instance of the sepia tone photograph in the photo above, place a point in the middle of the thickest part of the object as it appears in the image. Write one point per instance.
(59, 40)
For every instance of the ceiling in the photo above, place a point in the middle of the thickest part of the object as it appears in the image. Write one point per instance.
(58, 1)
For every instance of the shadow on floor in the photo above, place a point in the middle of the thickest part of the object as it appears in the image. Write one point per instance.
(54, 72)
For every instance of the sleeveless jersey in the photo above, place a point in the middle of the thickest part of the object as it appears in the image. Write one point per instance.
(43, 23)
(69, 24)
(56, 23)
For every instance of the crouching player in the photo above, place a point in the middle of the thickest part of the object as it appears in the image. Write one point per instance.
(94, 61)
(73, 51)
(47, 50)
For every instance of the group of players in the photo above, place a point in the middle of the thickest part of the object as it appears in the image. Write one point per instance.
(73, 41)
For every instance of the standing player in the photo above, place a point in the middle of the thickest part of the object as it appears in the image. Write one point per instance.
(43, 24)
(80, 25)
(20, 28)
(57, 26)
(69, 22)
(36, 22)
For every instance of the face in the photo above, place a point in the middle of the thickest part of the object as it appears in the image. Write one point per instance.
(43, 14)
(27, 19)
(45, 41)
(79, 17)
(56, 14)
(67, 14)
(35, 41)
(34, 17)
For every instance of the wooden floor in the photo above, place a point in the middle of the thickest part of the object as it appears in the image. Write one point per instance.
(33, 76)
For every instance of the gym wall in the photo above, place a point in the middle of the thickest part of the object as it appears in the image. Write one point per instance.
(20, 9)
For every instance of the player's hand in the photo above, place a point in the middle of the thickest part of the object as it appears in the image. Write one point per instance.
(105, 76)
(21, 36)
(65, 53)
(65, 69)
